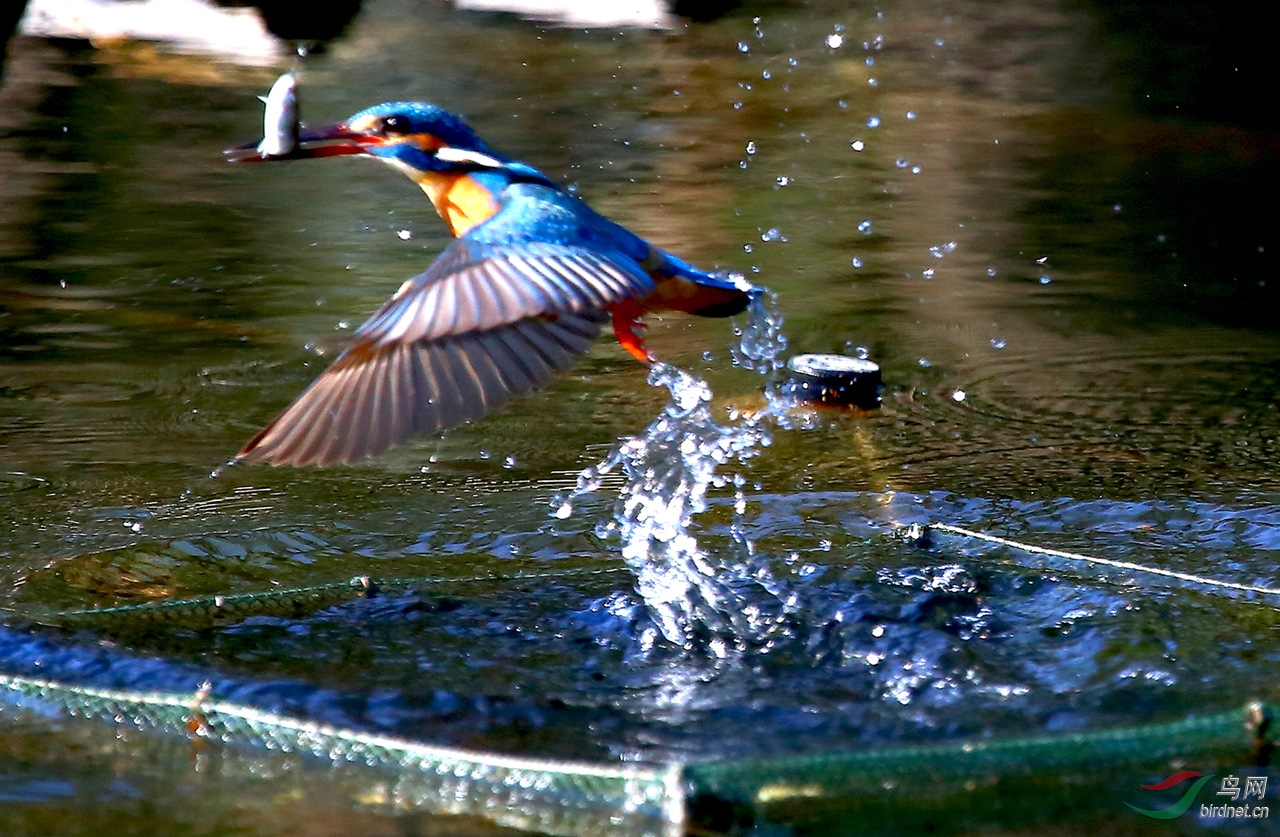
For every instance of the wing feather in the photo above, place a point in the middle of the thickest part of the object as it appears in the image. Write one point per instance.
(377, 395)
(498, 313)
(478, 286)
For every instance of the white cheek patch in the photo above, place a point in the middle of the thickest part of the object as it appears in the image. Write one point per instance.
(459, 155)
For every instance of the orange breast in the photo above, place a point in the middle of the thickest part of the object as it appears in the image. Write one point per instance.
(461, 202)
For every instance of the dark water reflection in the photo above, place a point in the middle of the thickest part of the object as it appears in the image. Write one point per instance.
(1062, 257)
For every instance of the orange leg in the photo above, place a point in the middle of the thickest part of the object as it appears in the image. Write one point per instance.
(626, 319)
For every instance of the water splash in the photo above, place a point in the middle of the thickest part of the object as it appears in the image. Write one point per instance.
(695, 598)
(762, 341)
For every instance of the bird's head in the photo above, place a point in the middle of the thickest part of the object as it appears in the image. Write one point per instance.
(416, 137)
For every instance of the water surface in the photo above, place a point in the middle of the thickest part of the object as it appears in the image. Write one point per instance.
(1062, 259)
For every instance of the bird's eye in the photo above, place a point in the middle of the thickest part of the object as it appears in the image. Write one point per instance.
(395, 124)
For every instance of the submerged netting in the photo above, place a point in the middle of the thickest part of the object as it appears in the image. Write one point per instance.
(697, 601)
(199, 612)
(565, 797)
(585, 797)
(549, 796)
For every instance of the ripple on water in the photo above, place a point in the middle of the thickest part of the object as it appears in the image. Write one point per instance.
(844, 634)
(798, 616)
(1181, 417)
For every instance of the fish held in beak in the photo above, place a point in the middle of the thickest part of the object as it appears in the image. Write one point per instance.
(284, 138)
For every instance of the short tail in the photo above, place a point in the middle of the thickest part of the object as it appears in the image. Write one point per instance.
(720, 294)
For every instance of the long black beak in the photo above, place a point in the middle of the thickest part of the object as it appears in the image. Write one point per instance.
(324, 141)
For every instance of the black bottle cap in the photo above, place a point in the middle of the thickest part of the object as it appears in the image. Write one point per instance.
(834, 381)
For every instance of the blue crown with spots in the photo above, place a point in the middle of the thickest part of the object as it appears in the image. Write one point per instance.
(429, 119)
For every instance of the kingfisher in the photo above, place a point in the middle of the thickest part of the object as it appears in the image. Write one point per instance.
(529, 279)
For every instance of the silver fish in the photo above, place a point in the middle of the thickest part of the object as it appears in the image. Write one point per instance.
(280, 121)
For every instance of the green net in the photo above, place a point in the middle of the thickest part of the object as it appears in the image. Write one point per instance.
(200, 612)
(568, 797)
(565, 797)
(943, 766)
(557, 797)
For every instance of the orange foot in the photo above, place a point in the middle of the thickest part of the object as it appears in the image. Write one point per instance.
(626, 319)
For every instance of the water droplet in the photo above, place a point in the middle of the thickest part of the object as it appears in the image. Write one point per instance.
(997, 342)
(708, 356)
(924, 362)
(873, 122)
(991, 271)
(783, 180)
(901, 163)
(565, 511)
(911, 114)
(842, 103)
(743, 46)
(405, 235)
(939, 42)
(958, 395)
(1117, 208)
(751, 147)
(915, 169)
(928, 273)
(835, 41)
(857, 145)
(856, 262)
(873, 83)
(1044, 280)
(865, 227)
(940, 250)
(791, 62)
(484, 454)
(747, 248)
(766, 75)
(509, 462)
(773, 234)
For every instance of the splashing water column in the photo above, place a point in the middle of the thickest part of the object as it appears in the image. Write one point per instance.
(692, 596)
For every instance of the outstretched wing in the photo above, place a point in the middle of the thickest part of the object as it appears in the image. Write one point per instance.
(483, 323)
(477, 286)
(377, 395)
